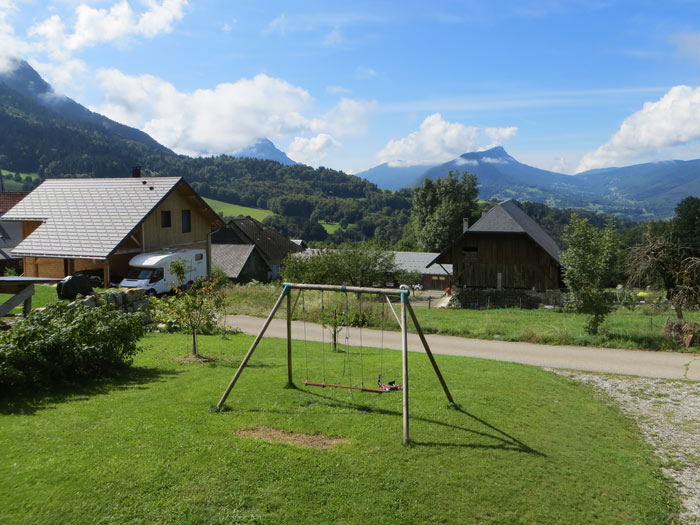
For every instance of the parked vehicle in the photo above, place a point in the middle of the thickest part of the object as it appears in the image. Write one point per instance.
(151, 271)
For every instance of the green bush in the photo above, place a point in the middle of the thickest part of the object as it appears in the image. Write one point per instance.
(67, 343)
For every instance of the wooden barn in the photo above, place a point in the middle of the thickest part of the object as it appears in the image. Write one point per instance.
(505, 249)
(247, 249)
(98, 225)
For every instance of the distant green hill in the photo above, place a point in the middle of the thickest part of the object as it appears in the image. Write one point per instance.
(66, 140)
(234, 210)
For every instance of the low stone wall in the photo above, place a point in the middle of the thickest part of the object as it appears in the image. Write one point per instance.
(481, 298)
(129, 300)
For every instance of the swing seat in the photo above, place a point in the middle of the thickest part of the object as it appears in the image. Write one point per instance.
(380, 390)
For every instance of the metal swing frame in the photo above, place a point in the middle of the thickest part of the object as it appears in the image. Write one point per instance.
(406, 310)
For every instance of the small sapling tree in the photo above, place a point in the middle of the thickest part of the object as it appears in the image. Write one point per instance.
(588, 265)
(193, 307)
(331, 320)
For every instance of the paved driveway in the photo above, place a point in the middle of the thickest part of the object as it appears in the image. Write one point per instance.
(667, 365)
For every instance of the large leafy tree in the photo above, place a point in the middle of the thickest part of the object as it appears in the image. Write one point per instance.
(439, 208)
(588, 266)
(355, 264)
(686, 225)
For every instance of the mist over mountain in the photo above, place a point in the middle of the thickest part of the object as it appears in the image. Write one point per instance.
(25, 80)
(394, 177)
(264, 149)
(54, 136)
(642, 191)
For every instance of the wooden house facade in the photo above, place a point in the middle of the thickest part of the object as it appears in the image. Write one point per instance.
(98, 225)
(505, 249)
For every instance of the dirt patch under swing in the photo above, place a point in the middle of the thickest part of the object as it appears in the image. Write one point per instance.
(273, 435)
(191, 358)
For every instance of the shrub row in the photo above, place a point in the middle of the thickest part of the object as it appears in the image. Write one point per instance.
(67, 342)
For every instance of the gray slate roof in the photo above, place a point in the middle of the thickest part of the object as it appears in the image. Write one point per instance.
(86, 217)
(507, 217)
(418, 262)
(231, 258)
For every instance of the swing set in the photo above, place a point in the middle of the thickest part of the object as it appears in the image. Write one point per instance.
(382, 388)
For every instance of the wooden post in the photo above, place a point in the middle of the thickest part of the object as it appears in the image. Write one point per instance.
(429, 353)
(404, 365)
(285, 291)
(289, 340)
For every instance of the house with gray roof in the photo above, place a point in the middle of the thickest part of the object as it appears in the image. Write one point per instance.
(433, 277)
(234, 253)
(98, 225)
(505, 249)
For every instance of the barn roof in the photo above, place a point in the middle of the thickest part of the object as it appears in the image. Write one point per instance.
(232, 258)
(90, 217)
(419, 262)
(273, 246)
(507, 217)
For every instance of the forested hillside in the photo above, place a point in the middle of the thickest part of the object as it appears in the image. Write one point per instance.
(37, 139)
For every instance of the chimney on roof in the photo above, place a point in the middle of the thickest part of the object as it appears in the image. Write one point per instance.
(465, 224)
(136, 172)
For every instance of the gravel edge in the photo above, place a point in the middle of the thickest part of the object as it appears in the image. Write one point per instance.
(668, 415)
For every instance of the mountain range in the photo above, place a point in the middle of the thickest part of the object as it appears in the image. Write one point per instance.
(642, 191)
(46, 133)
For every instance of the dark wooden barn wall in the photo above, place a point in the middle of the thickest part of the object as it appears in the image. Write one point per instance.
(519, 260)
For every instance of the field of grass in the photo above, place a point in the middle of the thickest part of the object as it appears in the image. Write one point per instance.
(331, 227)
(11, 184)
(43, 295)
(640, 328)
(233, 210)
(525, 446)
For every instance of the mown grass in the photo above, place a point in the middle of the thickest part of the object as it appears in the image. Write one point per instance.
(234, 210)
(526, 446)
(640, 328)
(331, 227)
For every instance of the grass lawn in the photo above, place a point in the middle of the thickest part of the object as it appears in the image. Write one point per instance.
(43, 295)
(233, 210)
(331, 227)
(638, 329)
(526, 446)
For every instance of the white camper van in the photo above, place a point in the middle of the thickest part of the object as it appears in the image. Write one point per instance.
(151, 271)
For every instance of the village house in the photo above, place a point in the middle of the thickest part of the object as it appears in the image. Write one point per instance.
(98, 225)
(504, 258)
(248, 250)
(433, 277)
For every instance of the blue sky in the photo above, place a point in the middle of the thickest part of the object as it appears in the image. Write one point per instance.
(563, 85)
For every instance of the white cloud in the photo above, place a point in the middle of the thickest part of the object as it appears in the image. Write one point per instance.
(500, 135)
(334, 38)
(114, 25)
(278, 25)
(227, 118)
(365, 72)
(671, 121)
(688, 45)
(490, 160)
(10, 45)
(438, 140)
(459, 161)
(347, 118)
(313, 150)
(63, 74)
(338, 90)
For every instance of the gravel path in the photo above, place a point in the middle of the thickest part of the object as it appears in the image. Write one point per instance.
(668, 415)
